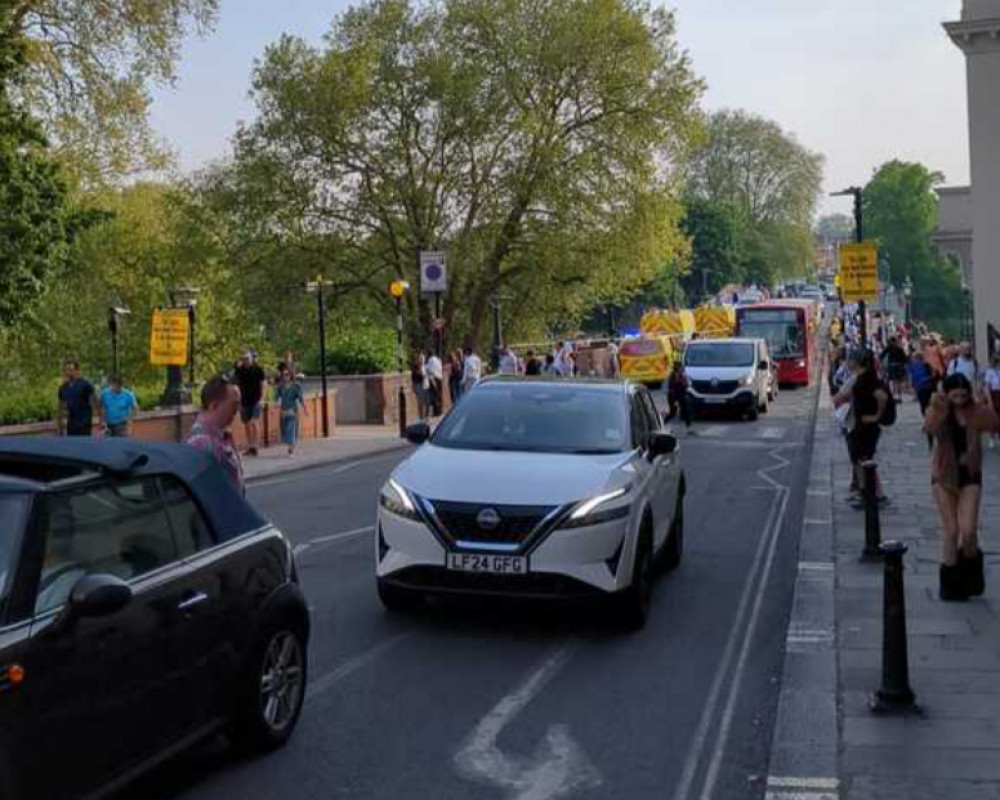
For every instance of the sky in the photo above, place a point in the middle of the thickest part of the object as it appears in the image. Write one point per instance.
(859, 81)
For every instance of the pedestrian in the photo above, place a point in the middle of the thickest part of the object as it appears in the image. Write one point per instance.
(868, 399)
(532, 366)
(956, 420)
(922, 380)
(677, 396)
(472, 370)
(251, 381)
(420, 384)
(118, 407)
(835, 362)
(508, 362)
(991, 384)
(220, 402)
(435, 384)
(550, 366)
(455, 370)
(895, 361)
(291, 401)
(564, 359)
(963, 363)
(78, 405)
(614, 366)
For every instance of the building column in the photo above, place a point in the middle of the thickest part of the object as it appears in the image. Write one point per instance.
(978, 36)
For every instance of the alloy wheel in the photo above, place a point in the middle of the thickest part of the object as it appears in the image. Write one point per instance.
(281, 679)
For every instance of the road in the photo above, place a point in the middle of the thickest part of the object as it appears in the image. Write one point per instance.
(529, 702)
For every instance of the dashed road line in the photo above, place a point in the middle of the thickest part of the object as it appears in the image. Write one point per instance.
(790, 788)
(327, 681)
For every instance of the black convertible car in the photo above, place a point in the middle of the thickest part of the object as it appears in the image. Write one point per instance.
(144, 605)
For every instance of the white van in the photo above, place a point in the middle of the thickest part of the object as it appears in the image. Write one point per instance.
(730, 374)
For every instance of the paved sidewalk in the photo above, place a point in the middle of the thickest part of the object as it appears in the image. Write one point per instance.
(827, 745)
(348, 442)
(953, 750)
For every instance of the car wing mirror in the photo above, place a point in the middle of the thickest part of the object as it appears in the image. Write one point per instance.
(418, 432)
(97, 596)
(661, 443)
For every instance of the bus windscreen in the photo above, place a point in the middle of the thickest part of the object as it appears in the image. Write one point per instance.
(783, 329)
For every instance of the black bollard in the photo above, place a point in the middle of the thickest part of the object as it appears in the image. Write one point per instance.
(402, 412)
(873, 527)
(895, 695)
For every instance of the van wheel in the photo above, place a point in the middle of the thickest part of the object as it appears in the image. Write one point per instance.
(754, 413)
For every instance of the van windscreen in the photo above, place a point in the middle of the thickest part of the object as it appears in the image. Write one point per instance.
(719, 354)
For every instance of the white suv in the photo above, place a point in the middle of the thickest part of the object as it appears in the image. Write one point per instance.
(535, 488)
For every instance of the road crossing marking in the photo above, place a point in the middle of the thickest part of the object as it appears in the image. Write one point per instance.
(781, 788)
(772, 433)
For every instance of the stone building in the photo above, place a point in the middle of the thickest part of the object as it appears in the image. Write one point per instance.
(977, 34)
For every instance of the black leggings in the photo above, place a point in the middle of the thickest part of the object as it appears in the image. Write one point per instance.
(681, 403)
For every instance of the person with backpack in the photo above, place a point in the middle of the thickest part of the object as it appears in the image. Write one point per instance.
(872, 407)
(956, 421)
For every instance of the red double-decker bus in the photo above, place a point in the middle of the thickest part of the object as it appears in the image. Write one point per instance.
(789, 327)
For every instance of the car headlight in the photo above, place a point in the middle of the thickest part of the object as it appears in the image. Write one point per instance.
(747, 380)
(594, 511)
(396, 500)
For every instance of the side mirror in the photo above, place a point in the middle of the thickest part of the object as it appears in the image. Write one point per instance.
(96, 596)
(764, 366)
(418, 432)
(661, 444)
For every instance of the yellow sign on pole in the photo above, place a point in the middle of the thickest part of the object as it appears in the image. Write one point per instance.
(859, 272)
(168, 342)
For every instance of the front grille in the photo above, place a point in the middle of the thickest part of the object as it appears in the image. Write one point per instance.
(720, 387)
(516, 522)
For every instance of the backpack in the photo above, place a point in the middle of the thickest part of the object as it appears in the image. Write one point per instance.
(888, 418)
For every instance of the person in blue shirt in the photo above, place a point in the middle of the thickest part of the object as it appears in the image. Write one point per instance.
(922, 380)
(118, 407)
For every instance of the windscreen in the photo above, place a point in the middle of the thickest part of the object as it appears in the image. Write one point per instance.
(537, 418)
(13, 510)
(719, 354)
(637, 348)
(781, 328)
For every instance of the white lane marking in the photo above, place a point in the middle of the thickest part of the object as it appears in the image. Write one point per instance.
(333, 537)
(815, 566)
(817, 521)
(782, 494)
(299, 549)
(772, 433)
(559, 765)
(304, 471)
(708, 713)
(802, 783)
(330, 679)
(713, 430)
(791, 794)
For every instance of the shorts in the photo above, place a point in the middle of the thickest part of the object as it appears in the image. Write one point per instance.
(116, 430)
(897, 372)
(251, 413)
(862, 443)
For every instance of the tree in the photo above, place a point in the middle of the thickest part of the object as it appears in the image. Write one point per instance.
(90, 66)
(37, 225)
(770, 184)
(715, 248)
(533, 141)
(833, 229)
(900, 210)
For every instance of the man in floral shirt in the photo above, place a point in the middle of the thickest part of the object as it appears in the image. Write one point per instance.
(220, 400)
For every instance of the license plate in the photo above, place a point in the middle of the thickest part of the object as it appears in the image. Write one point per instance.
(716, 401)
(488, 563)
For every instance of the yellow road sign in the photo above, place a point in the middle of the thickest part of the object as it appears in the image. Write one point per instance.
(168, 342)
(859, 272)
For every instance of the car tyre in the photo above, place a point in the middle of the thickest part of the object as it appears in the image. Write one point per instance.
(754, 413)
(673, 550)
(633, 603)
(273, 692)
(397, 599)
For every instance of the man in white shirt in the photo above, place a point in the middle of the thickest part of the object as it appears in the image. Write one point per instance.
(473, 370)
(434, 370)
(508, 362)
(965, 364)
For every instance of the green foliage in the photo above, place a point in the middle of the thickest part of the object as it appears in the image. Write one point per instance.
(91, 64)
(753, 191)
(900, 209)
(530, 140)
(361, 351)
(37, 225)
(24, 405)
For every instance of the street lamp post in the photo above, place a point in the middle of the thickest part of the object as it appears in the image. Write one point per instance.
(859, 237)
(497, 332)
(115, 312)
(908, 297)
(397, 289)
(317, 287)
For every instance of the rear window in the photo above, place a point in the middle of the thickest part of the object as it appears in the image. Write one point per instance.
(721, 354)
(13, 511)
(641, 347)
